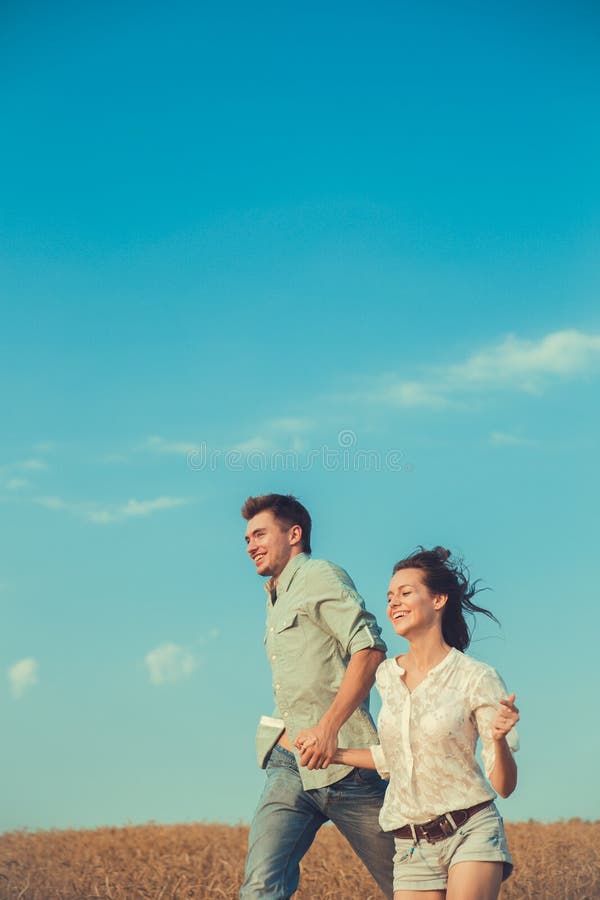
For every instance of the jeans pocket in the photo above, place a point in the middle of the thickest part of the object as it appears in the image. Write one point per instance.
(280, 758)
(368, 776)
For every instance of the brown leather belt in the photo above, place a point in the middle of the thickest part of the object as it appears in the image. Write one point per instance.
(442, 827)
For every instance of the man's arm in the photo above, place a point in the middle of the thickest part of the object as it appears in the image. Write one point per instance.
(319, 744)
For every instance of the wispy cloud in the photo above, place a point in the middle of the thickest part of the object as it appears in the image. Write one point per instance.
(100, 514)
(287, 432)
(503, 439)
(512, 363)
(408, 394)
(169, 663)
(292, 424)
(16, 484)
(256, 444)
(31, 465)
(158, 444)
(25, 465)
(46, 446)
(211, 635)
(22, 676)
(115, 458)
(528, 365)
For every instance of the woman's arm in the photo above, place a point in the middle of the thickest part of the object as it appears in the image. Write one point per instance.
(318, 744)
(358, 759)
(503, 776)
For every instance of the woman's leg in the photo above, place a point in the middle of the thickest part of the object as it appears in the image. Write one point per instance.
(471, 880)
(419, 895)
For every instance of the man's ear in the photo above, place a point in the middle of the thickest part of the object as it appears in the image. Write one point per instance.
(295, 535)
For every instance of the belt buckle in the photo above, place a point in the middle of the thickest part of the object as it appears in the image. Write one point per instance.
(440, 828)
(446, 826)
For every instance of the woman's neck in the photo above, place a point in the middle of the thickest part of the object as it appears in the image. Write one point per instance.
(426, 651)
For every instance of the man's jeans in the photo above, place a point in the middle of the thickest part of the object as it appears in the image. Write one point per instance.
(288, 818)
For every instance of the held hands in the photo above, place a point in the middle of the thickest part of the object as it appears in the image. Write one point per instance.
(317, 746)
(508, 715)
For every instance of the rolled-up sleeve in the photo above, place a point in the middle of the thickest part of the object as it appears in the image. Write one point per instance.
(380, 761)
(337, 607)
(488, 692)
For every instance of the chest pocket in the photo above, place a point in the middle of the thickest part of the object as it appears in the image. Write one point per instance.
(287, 637)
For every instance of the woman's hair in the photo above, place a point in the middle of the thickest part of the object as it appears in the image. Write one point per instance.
(444, 577)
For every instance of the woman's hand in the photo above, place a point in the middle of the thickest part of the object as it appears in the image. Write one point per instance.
(317, 746)
(508, 716)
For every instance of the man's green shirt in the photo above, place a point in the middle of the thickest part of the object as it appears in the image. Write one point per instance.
(315, 622)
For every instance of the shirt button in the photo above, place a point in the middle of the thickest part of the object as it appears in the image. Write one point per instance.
(285, 715)
(276, 687)
(274, 656)
(271, 628)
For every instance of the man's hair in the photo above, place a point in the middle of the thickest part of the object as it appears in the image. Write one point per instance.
(286, 509)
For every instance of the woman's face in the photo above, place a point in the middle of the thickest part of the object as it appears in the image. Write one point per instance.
(412, 608)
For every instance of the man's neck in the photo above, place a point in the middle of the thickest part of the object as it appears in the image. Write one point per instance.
(275, 578)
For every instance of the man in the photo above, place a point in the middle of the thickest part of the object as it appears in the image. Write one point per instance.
(324, 648)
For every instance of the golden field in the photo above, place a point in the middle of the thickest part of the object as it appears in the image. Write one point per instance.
(205, 862)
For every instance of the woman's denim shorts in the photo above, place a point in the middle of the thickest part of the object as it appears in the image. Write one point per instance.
(425, 867)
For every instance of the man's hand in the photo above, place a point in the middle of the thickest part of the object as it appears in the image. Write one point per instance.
(317, 746)
(508, 716)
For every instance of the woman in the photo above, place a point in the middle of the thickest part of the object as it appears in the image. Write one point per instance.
(435, 703)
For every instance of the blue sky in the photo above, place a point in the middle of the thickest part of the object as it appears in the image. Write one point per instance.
(346, 252)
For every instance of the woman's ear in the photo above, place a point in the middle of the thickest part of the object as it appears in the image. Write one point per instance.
(439, 601)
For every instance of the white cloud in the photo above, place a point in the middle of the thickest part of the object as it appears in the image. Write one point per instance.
(525, 364)
(170, 663)
(32, 465)
(134, 508)
(103, 515)
(113, 458)
(255, 444)
(268, 438)
(15, 484)
(409, 394)
(55, 503)
(292, 424)
(27, 465)
(45, 446)
(159, 445)
(511, 364)
(502, 439)
(22, 676)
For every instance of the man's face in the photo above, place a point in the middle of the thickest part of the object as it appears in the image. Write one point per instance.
(270, 544)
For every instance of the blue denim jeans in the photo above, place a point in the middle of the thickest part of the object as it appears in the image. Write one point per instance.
(288, 818)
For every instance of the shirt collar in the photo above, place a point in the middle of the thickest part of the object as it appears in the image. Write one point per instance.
(450, 655)
(288, 573)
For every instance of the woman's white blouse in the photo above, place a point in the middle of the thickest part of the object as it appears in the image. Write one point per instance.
(428, 738)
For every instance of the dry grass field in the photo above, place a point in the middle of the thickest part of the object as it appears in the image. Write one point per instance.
(560, 861)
